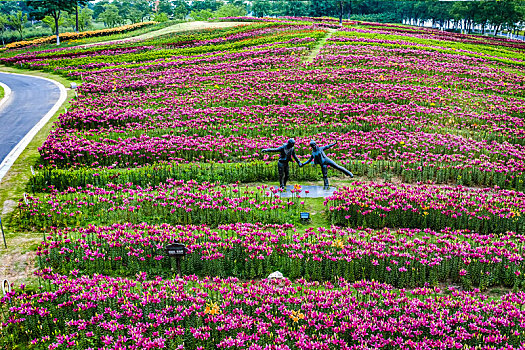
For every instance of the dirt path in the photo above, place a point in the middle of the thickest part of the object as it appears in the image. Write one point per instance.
(18, 260)
(181, 27)
(315, 51)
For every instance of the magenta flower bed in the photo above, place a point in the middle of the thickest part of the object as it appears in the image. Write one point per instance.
(176, 202)
(403, 257)
(99, 311)
(487, 210)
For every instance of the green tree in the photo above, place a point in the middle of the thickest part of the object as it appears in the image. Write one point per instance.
(165, 6)
(160, 17)
(212, 5)
(85, 19)
(110, 16)
(77, 5)
(181, 9)
(4, 22)
(17, 21)
(98, 8)
(502, 13)
(135, 15)
(260, 8)
(229, 10)
(144, 7)
(465, 12)
(50, 22)
(439, 12)
(202, 15)
(482, 16)
(53, 8)
(134, 11)
(123, 9)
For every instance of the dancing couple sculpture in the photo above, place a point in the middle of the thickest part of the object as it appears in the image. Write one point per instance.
(287, 153)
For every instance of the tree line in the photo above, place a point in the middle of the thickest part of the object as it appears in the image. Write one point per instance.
(451, 15)
(496, 15)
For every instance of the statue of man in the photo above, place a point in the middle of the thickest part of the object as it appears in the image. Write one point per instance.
(320, 158)
(286, 154)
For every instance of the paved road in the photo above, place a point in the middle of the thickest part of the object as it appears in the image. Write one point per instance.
(31, 98)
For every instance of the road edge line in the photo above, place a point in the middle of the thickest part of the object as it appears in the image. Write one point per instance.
(7, 94)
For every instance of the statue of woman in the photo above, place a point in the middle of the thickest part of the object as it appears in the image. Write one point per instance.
(286, 154)
(320, 158)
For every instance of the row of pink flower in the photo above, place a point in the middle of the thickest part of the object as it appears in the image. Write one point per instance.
(250, 34)
(260, 118)
(234, 33)
(114, 123)
(398, 29)
(177, 78)
(433, 34)
(480, 203)
(293, 86)
(93, 72)
(484, 210)
(386, 249)
(473, 56)
(116, 313)
(172, 201)
(63, 147)
(411, 65)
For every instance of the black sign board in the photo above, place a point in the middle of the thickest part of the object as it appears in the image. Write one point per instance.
(176, 250)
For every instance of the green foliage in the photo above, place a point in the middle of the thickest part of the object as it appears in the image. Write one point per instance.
(111, 16)
(202, 15)
(376, 17)
(181, 9)
(50, 22)
(4, 22)
(160, 17)
(165, 6)
(257, 171)
(85, 19)
(229, 10)
(18, 21)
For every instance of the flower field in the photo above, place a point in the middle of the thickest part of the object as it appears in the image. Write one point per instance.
(163, 144)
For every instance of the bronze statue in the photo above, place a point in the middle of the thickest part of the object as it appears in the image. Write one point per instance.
(286, 154)
(320, 158)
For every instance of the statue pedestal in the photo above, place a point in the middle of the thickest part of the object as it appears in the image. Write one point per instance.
(313, 192)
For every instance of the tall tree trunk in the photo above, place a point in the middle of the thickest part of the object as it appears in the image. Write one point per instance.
(341, 13)
(57, 17)
(76, 15)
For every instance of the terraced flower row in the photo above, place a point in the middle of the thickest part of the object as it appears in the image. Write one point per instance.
(400, 205)
(402, 257)
(100, 311)
(174, 201)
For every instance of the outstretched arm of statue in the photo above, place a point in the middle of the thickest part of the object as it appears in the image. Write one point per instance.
(278, 149)
(308, 161)
(329, 146)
